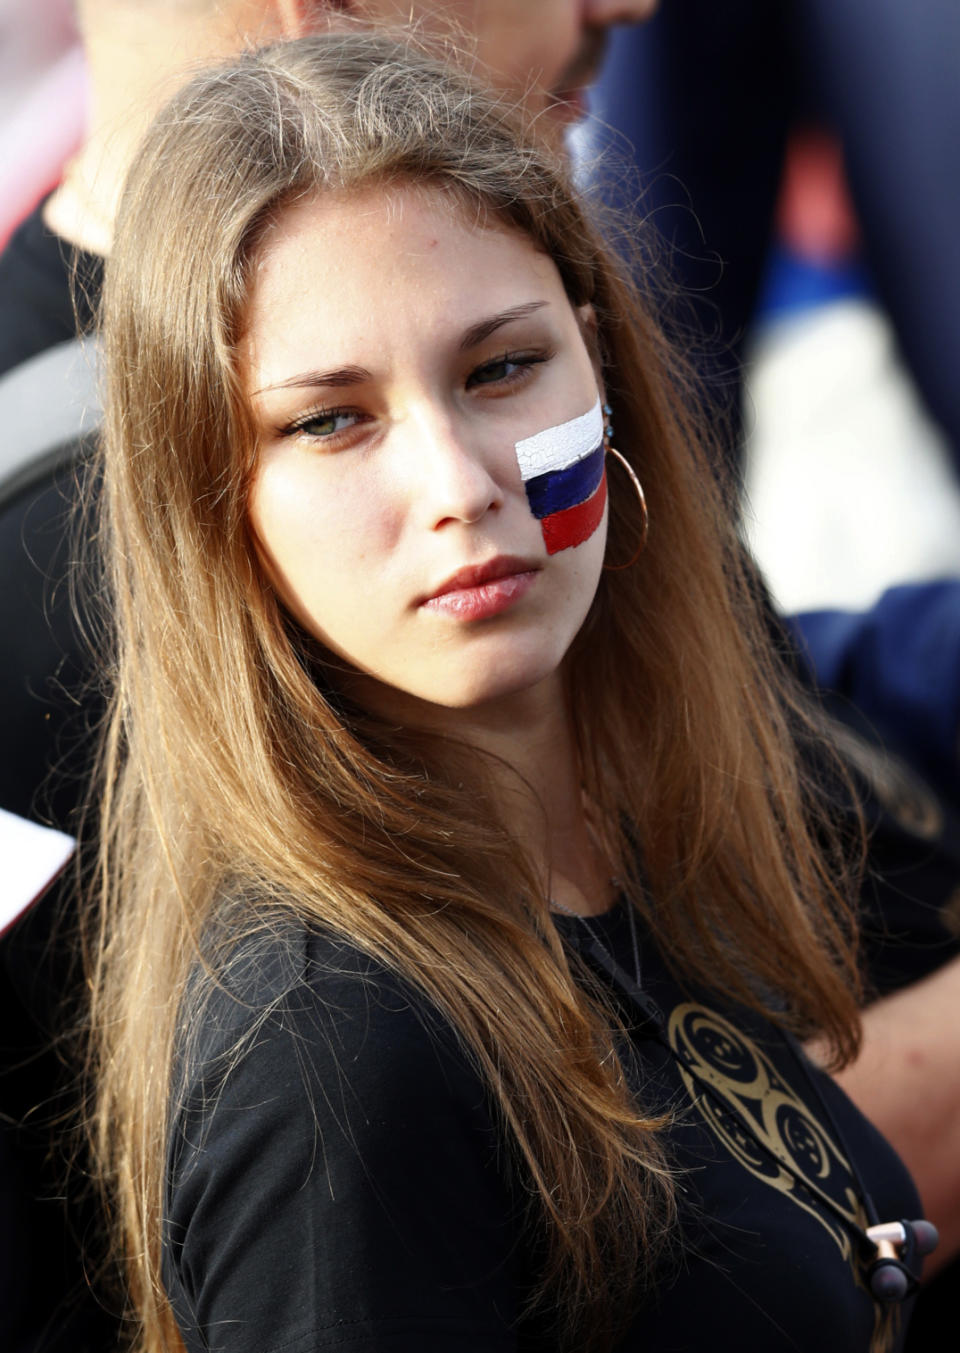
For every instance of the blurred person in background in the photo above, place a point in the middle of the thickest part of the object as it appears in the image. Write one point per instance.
(800, 160)
(138, 51)
(709, 96)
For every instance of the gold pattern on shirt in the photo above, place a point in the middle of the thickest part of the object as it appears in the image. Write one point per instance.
(771, 1132)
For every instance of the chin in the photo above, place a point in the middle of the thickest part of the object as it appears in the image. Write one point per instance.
(478, 690)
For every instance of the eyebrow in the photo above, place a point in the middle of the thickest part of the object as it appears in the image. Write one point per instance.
(356, 375)
(341, 375)
(485, 327)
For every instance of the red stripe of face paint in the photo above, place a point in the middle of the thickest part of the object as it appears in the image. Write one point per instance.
(564, 530)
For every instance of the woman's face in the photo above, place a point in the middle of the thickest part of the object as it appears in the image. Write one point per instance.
(394, 356)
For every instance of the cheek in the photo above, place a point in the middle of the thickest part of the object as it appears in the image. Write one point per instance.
(563, 475)
(297, 509)
(541, 43)
(575, 525)
(315, 539)
(286, 519)
(555, 39)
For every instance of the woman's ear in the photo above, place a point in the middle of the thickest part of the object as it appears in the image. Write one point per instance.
(587, 319)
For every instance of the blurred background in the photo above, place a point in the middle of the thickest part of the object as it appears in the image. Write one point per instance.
(42, 102)
(800, 160)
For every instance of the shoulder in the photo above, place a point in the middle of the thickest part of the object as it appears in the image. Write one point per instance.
(319, 1011)
(324, 1120)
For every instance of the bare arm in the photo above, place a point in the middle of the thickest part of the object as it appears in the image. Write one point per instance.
(907, 1081)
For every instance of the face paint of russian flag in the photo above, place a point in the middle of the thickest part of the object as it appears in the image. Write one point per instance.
(563, 473)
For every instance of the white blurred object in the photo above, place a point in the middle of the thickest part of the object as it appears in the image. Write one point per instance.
(42, 101)
(33, 35)
(849, 487)
(32, 857)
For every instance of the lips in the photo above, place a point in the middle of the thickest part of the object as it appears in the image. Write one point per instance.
(483, 590)
(477, 574)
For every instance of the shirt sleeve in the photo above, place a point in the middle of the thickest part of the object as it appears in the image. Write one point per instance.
(899, 662)
(333, 1178)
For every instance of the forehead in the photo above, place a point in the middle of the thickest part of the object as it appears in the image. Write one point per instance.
(377, 264)
(413, 226)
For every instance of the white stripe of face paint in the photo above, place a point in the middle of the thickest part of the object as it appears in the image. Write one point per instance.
(559, 447)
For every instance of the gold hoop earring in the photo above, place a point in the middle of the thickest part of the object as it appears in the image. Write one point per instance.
(638, 489)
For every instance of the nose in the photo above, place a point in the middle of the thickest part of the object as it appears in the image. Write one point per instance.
(605, 12)
(457, 482)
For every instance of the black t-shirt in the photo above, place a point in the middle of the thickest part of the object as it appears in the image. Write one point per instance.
(338, 1177)
(47, 715)
(45, 711)
(37, 294)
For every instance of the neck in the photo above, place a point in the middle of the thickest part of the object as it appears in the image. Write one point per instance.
(529, 749)
(137, 57)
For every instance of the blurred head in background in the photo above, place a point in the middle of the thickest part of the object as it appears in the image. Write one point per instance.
(139, 51)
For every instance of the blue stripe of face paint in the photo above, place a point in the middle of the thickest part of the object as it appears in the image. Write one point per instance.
(559, 489)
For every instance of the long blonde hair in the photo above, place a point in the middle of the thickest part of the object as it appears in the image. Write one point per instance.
(231, 770)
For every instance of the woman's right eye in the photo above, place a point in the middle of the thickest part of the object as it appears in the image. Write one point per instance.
(322, 424)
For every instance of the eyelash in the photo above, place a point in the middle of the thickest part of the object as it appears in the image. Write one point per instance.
(321, 415)
(523, 362)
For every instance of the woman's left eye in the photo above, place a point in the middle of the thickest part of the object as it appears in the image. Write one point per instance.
(323, 423)
(504, 370)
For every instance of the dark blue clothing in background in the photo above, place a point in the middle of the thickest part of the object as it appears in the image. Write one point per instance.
(707, 92)
(899, 663)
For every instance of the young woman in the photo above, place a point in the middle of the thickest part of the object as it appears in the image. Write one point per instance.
(462, 890)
